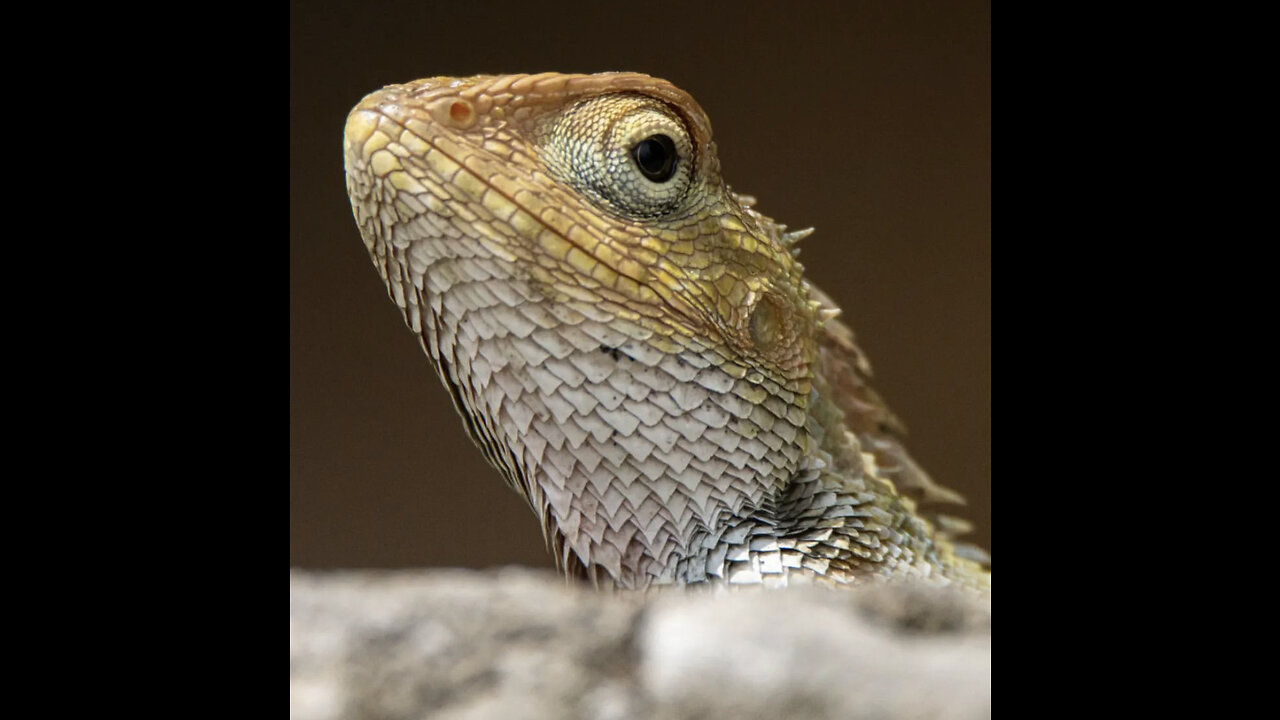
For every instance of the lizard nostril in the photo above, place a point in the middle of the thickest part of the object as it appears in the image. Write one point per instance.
(460, 112)
(452, 112)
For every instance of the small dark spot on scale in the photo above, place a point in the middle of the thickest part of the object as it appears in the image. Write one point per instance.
(615, 353)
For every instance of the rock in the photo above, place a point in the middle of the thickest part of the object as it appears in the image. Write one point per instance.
(518, 643)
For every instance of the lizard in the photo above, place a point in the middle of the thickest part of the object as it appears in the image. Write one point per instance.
(631, 343)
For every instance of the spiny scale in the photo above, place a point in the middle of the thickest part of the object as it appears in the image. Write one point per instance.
(629, 342)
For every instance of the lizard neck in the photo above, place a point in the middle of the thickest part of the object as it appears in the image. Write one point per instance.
(647, 460)
(637, 451)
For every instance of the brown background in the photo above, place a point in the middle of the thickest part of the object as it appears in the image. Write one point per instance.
(870, 121)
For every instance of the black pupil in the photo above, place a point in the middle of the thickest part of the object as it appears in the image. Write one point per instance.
(656, 156)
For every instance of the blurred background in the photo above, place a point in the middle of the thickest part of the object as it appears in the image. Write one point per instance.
(870, 121)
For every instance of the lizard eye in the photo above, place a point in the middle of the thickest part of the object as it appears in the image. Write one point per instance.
(629, 153)
(656, 156)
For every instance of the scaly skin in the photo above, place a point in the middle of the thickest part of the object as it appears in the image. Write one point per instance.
(638, 354)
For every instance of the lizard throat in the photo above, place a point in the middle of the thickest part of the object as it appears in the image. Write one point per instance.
(632, 453)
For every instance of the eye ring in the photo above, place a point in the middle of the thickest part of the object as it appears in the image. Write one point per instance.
(656, 157)
(630, 154)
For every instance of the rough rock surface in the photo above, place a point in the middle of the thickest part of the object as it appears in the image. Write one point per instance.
(521, 644)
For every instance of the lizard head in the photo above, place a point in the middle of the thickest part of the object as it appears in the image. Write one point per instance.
(628, 341)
